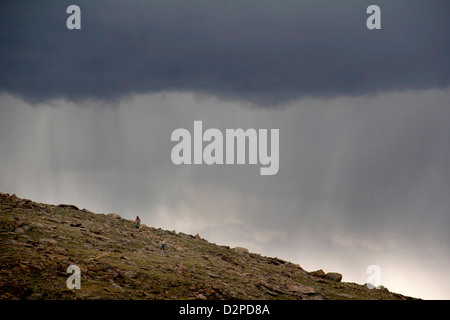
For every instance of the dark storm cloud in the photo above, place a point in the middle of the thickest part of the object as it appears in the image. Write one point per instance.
(262, 51)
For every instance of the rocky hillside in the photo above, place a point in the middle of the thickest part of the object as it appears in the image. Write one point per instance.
(38, 242)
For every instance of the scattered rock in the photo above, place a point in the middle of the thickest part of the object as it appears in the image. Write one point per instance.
(197, 237)
(299, 288)
(60, 250)
(126, 258)
(48, 209)
(210, 292)
(37, 225)
(27, 227)
(346, 295)
(383, 288)
(26, 204)
(47, 242)
(200, 297)
(26, 238)
(34, 296)
(130, 274)
(75, 225)
(101, 255)
(276, 261)
(318, 273)
(19, 243)
(19, 230)
(240, 249)
(334, 276)
(186, 236)
(213, 275)
(114, 215)
(68, 206)
(297, 266)
(180, 267)
(97, 230)
(115, 285)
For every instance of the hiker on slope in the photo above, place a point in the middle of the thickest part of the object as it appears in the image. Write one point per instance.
(163, 244)
(138, 222)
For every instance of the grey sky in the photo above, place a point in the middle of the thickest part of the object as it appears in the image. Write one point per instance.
(362, 180)
(86, 118)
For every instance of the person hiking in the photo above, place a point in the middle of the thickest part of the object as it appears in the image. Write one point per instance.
(163, 244)
(138, 222)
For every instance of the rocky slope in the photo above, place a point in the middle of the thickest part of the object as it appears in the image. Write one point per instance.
(38, 242)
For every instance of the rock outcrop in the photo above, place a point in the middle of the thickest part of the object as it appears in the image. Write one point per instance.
(240, 249)
(334, 276)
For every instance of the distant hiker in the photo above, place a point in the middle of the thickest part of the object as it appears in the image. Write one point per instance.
(138, 222)
(163, 244)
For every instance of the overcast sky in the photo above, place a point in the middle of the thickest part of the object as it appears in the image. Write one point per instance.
(87, 115)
